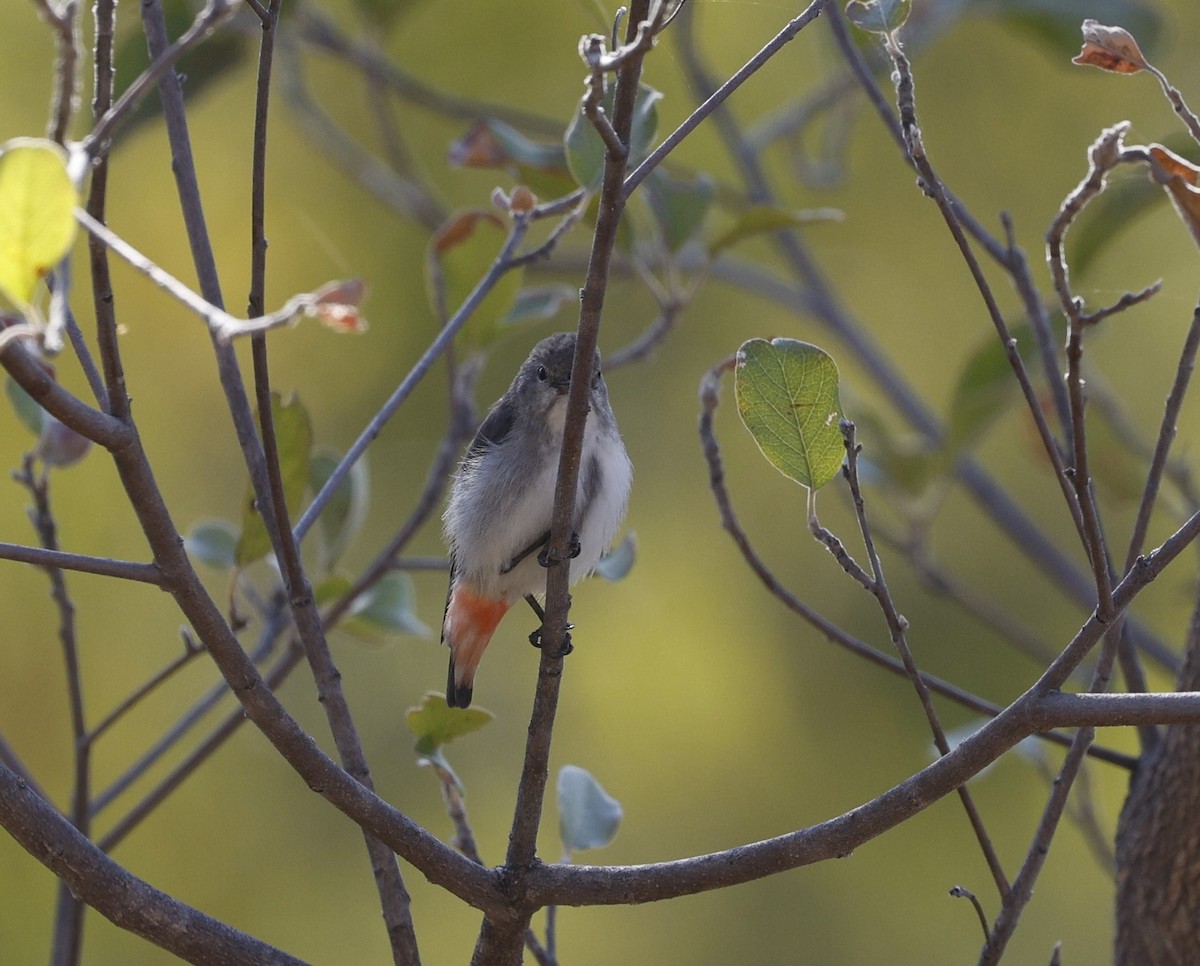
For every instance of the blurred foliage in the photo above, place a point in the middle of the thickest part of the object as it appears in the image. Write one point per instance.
(718, 716)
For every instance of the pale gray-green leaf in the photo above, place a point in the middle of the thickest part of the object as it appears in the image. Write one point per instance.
(588, 817)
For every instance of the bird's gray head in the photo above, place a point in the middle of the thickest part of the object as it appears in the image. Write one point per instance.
(545, 377)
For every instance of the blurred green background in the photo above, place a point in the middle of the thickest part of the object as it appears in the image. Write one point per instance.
(709, 711)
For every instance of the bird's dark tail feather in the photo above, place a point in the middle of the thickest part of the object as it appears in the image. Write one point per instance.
(457, 695)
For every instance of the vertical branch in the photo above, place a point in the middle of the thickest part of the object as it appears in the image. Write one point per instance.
(876, 584)
(68, 918)
(102, 293)
(1018, 897)
(501, 943)
(393, 896)
(188, 188)
(65, 21)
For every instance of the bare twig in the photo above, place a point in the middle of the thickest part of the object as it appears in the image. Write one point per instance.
(501, 265)
(718, 96)
(876, 584)
(207, 20)
(104, 566)
(64, 20)
(147, 688)
(393, 896)
(68, 918)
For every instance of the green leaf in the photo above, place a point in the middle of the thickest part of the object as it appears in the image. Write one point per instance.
(213, 542)
(435, 723)
(588, 817)
(585, 148)
(293, 436)
(459, 255)
(767, 219)
(37, 215)
(616, 564)
(787, 396)
(386, 609)
(540, 302)
(679, 206)
(878, 16)
(31, 415)
(344, 513)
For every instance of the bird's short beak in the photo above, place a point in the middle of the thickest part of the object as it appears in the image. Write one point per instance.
(561, 386)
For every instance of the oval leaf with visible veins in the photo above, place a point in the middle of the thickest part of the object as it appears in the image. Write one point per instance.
(787, 395)
(37, 214)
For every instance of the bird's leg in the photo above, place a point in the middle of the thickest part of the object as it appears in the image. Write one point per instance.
(536, 637)
(539, 542)
(573, 549)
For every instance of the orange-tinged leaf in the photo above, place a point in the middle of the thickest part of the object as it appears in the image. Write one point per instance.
(460, 227)
(1110, 48)
(336, 305)
(1181, 178)
(478, 148)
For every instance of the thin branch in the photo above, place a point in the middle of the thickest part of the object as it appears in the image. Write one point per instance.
(709, 389)
(718, 96)
(501, 265)
(65, 22)
(223, 326)
(500, 941)
(934, 188)
(207, 20)
(815, 297)
(1015, 901)
(148, 687)
(273, 627)
(68, 917)
(399, 191)
(876, 584)
(62, 560)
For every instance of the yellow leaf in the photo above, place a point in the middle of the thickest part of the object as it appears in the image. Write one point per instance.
(37, 220)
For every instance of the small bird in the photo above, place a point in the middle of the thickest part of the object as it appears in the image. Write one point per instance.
(497, 521)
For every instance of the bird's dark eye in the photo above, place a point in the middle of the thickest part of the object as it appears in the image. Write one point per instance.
(541, 373)
(596, 379)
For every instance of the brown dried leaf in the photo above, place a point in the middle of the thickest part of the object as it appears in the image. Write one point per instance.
(459, 228)
(1181, 178)
(478, 148)
(1110, 48)
(336, 305)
